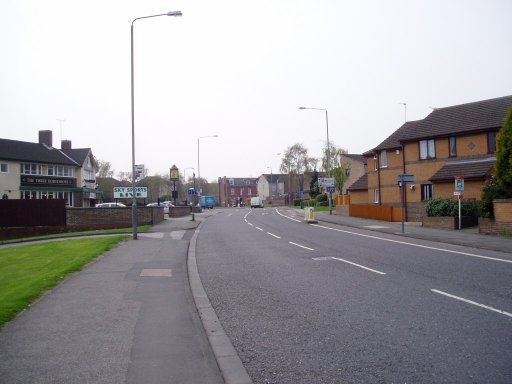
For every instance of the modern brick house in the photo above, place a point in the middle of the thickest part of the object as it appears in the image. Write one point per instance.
(40, 171)
(357, 168)
(235, 191)
(452, 141)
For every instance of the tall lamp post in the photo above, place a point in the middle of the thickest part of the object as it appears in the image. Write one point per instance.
(328, 151)
(271, 190)
(198, 167)
(134, 200)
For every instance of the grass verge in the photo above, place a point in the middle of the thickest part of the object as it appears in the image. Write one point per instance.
(26, 272)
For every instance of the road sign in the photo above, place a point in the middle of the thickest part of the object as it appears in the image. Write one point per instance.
(192, 191)
(174, 173)
(459, 183)
(326, 181)
(127, 192)
(139, 171)
(456, 193)
(331, 189)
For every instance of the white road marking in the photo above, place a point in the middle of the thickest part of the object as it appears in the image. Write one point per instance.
(258, 228)
(177, 235)
(288, 217)
(250, 224)
(472, 302)
(414, 245)
(358, 265)
(302, 246)
(271, 234)
(321, 258)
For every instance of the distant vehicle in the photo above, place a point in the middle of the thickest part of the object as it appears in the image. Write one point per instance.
(110, 205)
(165, 206)
(256, 202)
(208, 201)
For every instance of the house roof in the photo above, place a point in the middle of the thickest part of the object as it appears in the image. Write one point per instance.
(15, 150)
(355, 157)
(477, 168)
(478, 116)
(274, 177)
(360, 184)
(78, 154)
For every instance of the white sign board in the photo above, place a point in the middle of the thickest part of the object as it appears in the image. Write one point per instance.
(326, 181)
(127, 192)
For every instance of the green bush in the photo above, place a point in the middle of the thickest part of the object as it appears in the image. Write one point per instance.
(322, 198)
(492, 190)
(450, 207)
(296, 202)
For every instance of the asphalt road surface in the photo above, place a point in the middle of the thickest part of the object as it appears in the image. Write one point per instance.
(307, 303)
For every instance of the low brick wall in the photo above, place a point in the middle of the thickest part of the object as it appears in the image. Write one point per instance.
(449, 222)
(493, 227)
(112, 217)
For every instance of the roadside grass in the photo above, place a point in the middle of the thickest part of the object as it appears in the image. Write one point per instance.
(27, 271)
(142, 228)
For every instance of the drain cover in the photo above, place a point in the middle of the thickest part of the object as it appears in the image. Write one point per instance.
(156, 273)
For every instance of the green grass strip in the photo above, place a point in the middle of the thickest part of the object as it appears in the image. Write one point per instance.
(26, 272)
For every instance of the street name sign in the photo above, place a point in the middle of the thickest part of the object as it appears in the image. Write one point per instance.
(326, 181)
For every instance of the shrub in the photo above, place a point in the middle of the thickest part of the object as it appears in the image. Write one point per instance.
(450, 207)
(322, 198)
(492, 190)
(296, 202)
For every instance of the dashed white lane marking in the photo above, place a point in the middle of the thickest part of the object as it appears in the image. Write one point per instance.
(358, 265)
(258, 228)
(472, 302)
(302, 246)
(271, 234)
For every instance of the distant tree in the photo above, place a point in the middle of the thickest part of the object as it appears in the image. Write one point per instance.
(296, 161)
(503, 166)
(314, 190)
(331, 156)
(104, 169)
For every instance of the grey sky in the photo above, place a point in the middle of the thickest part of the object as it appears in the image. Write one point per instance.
(241, 69)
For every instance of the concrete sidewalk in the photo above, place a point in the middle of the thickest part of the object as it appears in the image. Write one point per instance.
(128, 317)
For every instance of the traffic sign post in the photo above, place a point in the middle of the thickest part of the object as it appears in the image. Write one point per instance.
(402, 181)
(459, 188)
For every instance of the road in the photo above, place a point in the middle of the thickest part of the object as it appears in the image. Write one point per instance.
(328, 304)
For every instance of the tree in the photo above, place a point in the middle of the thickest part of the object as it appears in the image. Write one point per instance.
(296, 161)
(104, 169)
(314, 190)
(331, 156)
(503, 166)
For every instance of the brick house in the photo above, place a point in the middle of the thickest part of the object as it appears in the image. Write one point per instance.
(357, 168)
(452, 141)
(235, 191)
(40, 171)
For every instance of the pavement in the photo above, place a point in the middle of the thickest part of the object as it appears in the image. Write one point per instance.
(139, 313)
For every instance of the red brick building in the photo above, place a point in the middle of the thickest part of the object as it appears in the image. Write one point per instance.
(236, 191)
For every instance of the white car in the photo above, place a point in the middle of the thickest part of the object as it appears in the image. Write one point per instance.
(110, 205)
(165, 206)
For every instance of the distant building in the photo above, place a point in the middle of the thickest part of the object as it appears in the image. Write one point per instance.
(235, 191)
(40, 171)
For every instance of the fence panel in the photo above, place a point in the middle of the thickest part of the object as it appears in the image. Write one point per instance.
(32, 212)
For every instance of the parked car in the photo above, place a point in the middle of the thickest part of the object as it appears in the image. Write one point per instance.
(110, 205)
(165, 206)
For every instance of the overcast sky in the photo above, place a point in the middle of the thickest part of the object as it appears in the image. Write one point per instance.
(240, 70)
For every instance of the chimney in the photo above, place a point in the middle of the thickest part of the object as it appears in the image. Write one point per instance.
(65, 144)
(45, 137)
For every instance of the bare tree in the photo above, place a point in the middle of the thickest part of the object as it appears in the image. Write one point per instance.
(296, 162)
(104, 169)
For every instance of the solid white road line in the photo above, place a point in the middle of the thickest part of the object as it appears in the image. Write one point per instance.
(258, 228)
(302, 246)
(288, 217)
(472, 302)
(358, 265)
(414, 245)
(271, 234)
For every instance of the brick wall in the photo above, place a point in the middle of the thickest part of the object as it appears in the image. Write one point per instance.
(112, 217)
(503, 210)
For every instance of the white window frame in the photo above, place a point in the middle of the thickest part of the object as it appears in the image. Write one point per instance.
(4, 168)
(383, 159)
(427, 149)
(376, 196)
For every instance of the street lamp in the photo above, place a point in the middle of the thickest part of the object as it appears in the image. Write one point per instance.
(134, 200)
(271, 191)
(328, 151)
(198, 168)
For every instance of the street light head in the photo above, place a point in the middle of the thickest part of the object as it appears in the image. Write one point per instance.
(175, 13)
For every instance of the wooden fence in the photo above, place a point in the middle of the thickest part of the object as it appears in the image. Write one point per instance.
(376, 212)
(32, 213)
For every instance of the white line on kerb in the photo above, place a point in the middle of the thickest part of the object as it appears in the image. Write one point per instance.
(358, 265)
(472, 302)
(271, 234)
(298, 245)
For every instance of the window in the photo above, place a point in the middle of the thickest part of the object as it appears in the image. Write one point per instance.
(30, 169)
(383, 159)
(375, 162)
(4, 168)
(232, 191)
(249, 191)
(427, 149)
(453, 147)
(376, 196)
(491, 142)
(426, 192)
(241, 191)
